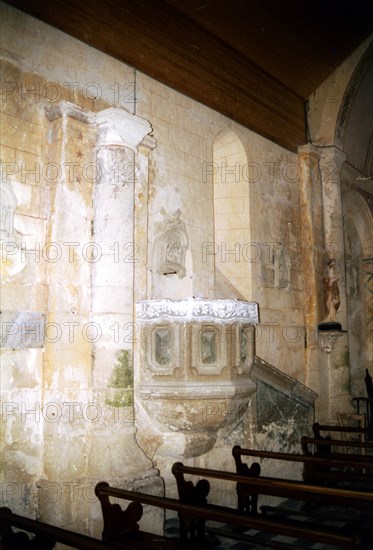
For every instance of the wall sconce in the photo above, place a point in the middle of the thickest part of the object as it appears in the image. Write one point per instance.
(329, 334)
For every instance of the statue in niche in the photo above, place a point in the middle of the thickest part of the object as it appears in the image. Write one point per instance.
(174, 252)
(170, 246)
(331, 291)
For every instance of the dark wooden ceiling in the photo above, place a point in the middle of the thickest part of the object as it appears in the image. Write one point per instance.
(255, 61)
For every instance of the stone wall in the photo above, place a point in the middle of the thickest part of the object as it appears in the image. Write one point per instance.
(96, 221)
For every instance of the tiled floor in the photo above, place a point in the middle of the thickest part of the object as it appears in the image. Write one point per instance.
(256, 540)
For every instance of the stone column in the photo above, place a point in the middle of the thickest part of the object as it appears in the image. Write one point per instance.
(66, 412)
(312, 256)
(331, 161)
(335, 363)
(114, 454)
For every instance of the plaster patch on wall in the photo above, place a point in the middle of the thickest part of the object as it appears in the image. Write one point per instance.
(22, 329)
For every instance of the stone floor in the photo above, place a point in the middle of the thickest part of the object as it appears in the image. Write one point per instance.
(257, 540)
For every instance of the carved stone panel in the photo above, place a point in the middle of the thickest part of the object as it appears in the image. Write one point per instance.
(209, 345)
(197, 310)
(195, 357)
(170, 247)
(162, 345)
(209, 349)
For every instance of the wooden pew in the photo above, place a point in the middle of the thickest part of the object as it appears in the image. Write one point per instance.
(368, 401)
(121, 526)
(318, 428)
(316, 468)
(288, 489)
(326, 468)
(344, 538)
(323, 443)
(362, 446)
(46, 536)
(358, 468)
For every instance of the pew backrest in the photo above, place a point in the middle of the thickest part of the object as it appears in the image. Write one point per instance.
(324, 445)
(286, 488)
(324, 468)
(46, 536)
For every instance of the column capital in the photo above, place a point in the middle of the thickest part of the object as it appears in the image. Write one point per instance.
(121, 128)
(332, 154)
(66, 108)
(149, 143)
(307, 150)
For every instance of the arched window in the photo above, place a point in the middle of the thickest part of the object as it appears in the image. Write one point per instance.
(231, 218)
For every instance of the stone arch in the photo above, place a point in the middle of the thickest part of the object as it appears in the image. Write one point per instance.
(328, 107)
(231, 217)
(353, 132)
(358, 230)
(356, 208)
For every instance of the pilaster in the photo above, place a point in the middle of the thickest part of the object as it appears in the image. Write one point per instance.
(67, 334)
(336, 362)
(114, 453)
(330, 163)
(312, 256)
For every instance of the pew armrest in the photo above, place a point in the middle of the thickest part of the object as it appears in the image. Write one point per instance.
(118, 522)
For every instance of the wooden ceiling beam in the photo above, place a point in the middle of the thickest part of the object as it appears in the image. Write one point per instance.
(158, 40)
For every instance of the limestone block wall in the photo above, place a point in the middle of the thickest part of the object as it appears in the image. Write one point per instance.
(46, 362)
(24, 297)
(173, 173)
(181, 171)
(263, 240)
(58, 403)
(265, 245)
(182, 129)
